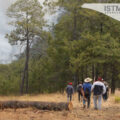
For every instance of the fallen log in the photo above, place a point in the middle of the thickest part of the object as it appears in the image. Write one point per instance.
(34, 104)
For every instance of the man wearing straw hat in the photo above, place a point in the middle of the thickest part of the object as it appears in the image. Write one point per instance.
(87, 91)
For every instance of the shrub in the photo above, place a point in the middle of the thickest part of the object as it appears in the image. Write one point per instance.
(117, 99)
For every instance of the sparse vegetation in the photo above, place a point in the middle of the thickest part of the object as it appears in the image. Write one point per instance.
(117, 99)
(110, 110)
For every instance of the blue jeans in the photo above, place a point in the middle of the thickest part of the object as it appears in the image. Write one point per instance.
(97, 98)
(69, 97)
(88, 101)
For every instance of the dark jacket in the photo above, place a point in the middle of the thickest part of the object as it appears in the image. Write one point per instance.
(69, 89)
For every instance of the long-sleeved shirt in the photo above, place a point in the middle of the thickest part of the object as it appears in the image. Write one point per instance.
(87, 85)
(98, 88)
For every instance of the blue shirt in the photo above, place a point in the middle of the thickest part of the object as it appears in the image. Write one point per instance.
(87, 85)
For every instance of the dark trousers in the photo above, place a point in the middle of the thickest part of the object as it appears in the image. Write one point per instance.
(88, 101)
(69, 97)
(105, 96)
(79, 96)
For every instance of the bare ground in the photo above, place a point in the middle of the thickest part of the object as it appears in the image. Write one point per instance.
(110, 109)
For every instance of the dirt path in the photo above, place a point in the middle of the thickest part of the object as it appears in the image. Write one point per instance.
(110, 110)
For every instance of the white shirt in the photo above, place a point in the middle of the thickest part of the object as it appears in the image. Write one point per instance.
(100, 84)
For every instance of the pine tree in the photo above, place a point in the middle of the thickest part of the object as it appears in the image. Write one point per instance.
(27, 21)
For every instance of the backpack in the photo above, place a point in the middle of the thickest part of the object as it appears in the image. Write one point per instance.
(87, 92)
(98, 90)
(79, 88)
(69, 90)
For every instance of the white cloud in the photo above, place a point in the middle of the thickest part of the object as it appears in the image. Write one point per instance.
(5, 47)
(7, 51)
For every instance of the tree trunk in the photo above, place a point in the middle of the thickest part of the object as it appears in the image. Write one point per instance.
(104, 71)
(25, 71)
(75, 81)
(75, 24)
(23, 79)
(34, 104)
(101, 27)
(96, 71)
(93, 72)
(27, 62)
(113, 79)
(86, 71)
(82, 74)
(113, 86)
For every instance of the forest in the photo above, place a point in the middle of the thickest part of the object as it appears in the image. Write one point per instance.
(82, 43)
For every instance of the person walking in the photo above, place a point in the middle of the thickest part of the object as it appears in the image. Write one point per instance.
(98, 88)
(87, 92)
(69, 91)
(105, 96)
(79, 90)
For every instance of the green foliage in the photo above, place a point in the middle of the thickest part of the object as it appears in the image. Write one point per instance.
(10, 78)
(83, 43)
(27, 18)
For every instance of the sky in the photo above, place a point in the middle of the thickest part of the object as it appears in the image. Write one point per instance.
(5, 47)
(8, 52)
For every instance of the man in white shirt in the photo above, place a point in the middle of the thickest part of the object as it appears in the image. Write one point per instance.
(98, 88)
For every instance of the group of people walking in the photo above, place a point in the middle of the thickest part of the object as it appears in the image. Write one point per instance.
(99, 88)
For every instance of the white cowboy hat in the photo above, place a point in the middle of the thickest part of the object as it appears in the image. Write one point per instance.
(88, 80)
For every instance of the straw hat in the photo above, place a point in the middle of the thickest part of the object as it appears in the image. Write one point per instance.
(88, 80)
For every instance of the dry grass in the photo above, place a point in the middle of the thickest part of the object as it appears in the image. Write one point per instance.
(110, 109)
